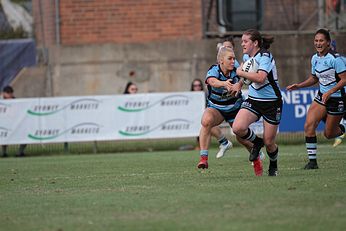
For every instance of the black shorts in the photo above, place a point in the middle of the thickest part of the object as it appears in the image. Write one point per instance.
(334, 105)
(270, 110)
(230, 112)
(229, 116)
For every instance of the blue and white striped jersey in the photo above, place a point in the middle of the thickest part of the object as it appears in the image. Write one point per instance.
(327, 69)
(219, 98)
(269, 90)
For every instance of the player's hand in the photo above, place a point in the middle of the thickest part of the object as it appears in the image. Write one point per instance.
(228, 85)
(292, 87)
(235, 89)
(325, 97)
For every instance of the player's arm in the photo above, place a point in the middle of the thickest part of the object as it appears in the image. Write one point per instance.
(261, 75)
(214, 82)
(256, 77)
(310, 81)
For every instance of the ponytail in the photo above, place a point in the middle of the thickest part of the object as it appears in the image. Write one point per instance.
(264, 41)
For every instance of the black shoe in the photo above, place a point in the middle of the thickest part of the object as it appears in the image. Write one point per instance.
(4, 155)
(20, 155)
(311, 165)
(272, 171)
(256, 150)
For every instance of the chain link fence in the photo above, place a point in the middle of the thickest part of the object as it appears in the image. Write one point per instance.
(186, 144)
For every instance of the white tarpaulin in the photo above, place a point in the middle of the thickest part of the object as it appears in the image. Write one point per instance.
(89, 118)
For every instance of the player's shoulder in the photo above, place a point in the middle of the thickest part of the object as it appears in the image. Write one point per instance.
(246, 57)
(213, 70)
(264, 53)
(334, 54)
(314, 56)
(213, 67)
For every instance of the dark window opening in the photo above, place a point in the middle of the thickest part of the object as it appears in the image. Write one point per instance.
(238, 15)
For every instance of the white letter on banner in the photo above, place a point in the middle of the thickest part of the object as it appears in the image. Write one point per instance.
(295, 97)
(305, 94)
(286, 97)
(299, 111)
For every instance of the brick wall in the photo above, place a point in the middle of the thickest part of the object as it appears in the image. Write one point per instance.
(129, 21)
(141, 21)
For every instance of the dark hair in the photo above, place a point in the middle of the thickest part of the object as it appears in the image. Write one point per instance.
(229, 39)
(198, 80)
(325, 33)
(8, 89)
(264, 41)
(126, 91)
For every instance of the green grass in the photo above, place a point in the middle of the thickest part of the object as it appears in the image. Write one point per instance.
(165, 191)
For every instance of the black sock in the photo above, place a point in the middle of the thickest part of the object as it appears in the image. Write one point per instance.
(273, 157)
(223, 140)
(252, 137)
(258, 141)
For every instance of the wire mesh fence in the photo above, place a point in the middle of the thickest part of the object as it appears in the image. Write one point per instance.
(113, 147)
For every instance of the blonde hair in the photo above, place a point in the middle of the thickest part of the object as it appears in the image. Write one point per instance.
(218, 46)
(222, 51)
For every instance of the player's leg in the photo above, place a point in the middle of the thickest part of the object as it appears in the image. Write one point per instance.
(338, 140)
(333, 128)
(224, 143)
(211, 118)
(269, 135)
(335, 112)
(315, 114)
(230, 118)
(244, 118)
(256, 164)
(271, 112)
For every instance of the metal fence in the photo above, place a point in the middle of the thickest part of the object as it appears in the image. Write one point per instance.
(113, 147)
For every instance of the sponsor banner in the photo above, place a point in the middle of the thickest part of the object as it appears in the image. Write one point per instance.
(295, 108)
(89, 118)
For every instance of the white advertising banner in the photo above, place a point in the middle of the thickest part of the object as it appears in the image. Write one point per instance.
(90, 118)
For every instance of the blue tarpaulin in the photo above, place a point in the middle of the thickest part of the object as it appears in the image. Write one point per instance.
(14, 55)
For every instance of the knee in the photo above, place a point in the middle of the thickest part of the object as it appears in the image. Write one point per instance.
(306, 127)
(207, 123)
(268, 142)
(309, 127)
(237, 129)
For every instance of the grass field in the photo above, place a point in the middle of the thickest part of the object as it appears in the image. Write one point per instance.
(165, 191)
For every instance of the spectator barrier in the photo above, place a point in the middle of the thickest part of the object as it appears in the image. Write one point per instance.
(95, 118)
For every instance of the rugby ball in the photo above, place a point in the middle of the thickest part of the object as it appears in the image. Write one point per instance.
(249, 65)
